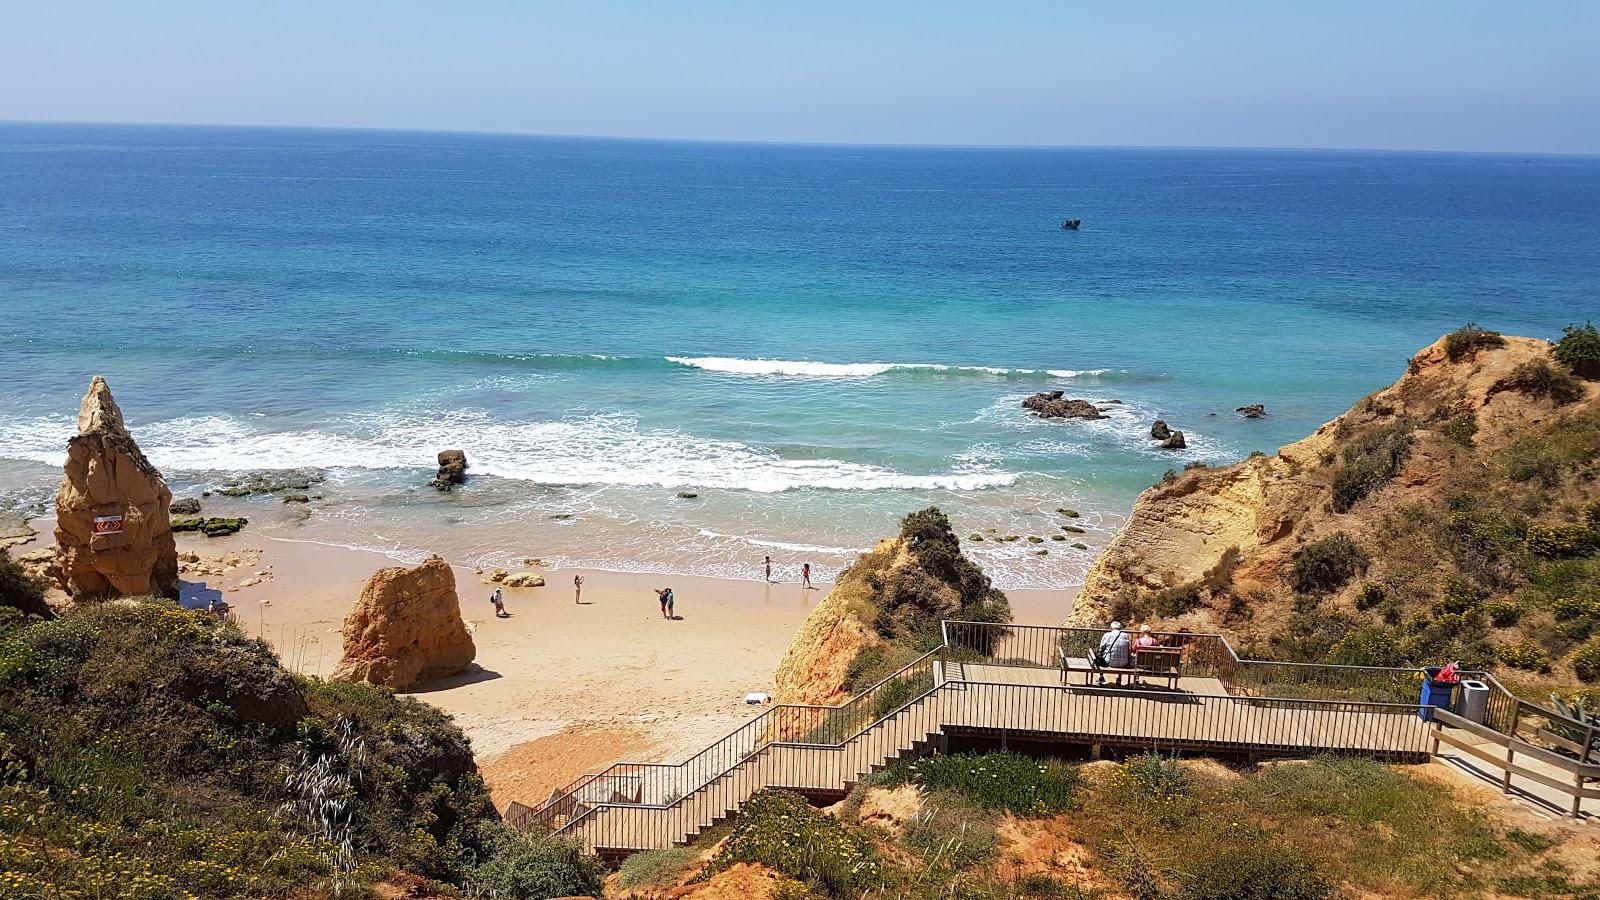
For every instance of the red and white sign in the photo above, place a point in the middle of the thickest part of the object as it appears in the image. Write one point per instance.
(107, 524)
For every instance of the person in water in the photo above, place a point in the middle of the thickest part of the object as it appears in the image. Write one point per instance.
(769, 570)
(665, 594)
(577, 589)
(805, 576)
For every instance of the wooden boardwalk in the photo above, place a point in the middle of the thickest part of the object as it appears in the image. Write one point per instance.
(1218, 707)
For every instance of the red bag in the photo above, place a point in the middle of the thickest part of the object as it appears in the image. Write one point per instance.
(1450, 673)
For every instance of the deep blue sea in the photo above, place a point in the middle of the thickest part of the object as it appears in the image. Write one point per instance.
(814, 339)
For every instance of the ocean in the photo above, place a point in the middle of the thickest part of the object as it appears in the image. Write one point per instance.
(814, 340)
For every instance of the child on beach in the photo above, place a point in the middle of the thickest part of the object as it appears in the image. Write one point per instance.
(666, 602)
(577, 589)
(499, 602)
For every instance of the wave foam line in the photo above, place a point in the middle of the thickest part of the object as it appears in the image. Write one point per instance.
(797, 368)
(597, 450)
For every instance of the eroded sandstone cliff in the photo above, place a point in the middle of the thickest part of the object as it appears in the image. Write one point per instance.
(1449, 513)
(113, 536)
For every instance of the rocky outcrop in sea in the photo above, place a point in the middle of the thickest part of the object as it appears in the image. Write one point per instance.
(1055, 405)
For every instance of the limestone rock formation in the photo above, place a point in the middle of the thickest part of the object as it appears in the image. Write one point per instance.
(1252, 411)
(1174, 441)
(112, 532)
(452, 469)
(187, 506)
(406, 629)
(1054, 405)
(1159, 431)
(523, 580)
(1247, 520)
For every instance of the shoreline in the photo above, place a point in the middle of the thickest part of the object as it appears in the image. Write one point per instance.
(558, 689)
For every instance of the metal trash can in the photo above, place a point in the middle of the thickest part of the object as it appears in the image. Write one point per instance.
(1434, 693)
(1474, 700)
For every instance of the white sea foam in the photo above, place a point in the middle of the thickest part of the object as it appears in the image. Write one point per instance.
(795, 368)
(608, 450)
(782, 545)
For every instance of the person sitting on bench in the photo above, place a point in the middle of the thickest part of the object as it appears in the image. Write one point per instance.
(1113, 651)
(1145, 641)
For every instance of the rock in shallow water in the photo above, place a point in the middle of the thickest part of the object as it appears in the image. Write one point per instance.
(1159, 431)
(1054, 405)
(1174, 441)
(452, 469)
(1253, 411)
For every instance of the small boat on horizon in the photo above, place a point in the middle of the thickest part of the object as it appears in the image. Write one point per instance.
(1070, 224)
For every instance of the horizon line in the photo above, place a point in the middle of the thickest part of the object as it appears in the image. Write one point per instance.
(902, 145)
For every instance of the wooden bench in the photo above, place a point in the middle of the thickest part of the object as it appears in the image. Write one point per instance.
(1156, 662)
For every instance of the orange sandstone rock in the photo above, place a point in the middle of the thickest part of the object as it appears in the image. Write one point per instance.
(406, 629)
(112, 531)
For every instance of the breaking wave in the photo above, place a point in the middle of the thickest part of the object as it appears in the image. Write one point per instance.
(796, 368)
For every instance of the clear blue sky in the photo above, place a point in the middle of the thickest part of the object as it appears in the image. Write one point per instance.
(1522, 75)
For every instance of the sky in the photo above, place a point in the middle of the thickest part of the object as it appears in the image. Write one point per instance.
(1520, 76)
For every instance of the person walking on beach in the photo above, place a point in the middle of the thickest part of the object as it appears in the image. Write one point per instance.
(769, 570)
(577, 589)
(805, 576)
(499, 601)
(665, 594)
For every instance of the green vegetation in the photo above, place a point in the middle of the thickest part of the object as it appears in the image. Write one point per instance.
(151, 752)
(210, 527)
(656, 868)
(1153, 828)
(1369, 463)
(1461, 429)
(1008, 781)
(778, 829)
(1579, 350)
(1586, 661)
(1466, 341)
(1524, 654)
(529, 867)
(1537, 378)
(1325, 565)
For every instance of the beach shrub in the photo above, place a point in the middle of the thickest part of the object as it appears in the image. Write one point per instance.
(1253, 865)
(1461, 429)
(1556, 541)
(778, 829)
(523, 867)
(1537, 378)
(1466, 341)
(1370, 463)
(1586, 661)
(1000, 780)
(1568, 608)
(1544, 456)
(656, 868)
(1152, 775)
(1371, 596)
(1459, 596)
(953, 833)
(1367, 647)
(1524, 654)
(1579, 350)
(1503, 613)
(930, 538)
(1323, 566)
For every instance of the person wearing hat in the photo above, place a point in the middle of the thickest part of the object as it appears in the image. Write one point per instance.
(1113, 650)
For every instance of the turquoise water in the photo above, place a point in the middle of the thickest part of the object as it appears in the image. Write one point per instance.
(814, 339)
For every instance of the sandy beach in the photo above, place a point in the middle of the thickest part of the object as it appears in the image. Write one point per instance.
(558, 689)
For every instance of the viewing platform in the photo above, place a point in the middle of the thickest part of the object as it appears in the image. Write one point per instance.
(1018, 685)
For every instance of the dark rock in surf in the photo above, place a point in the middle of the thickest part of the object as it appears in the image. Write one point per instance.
(1159, 431)
(452, 469)
(1253, 411)
(1174, 441)
(1054, 405)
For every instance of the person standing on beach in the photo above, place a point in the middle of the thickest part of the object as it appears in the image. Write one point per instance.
(665, 595)
(769, 570)
(577, 589)
(499, 601)
(805, 576)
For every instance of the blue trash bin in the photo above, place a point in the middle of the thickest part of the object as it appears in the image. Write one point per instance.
(1434, 693)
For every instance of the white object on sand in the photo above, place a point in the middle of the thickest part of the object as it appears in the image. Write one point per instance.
(756, 698)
